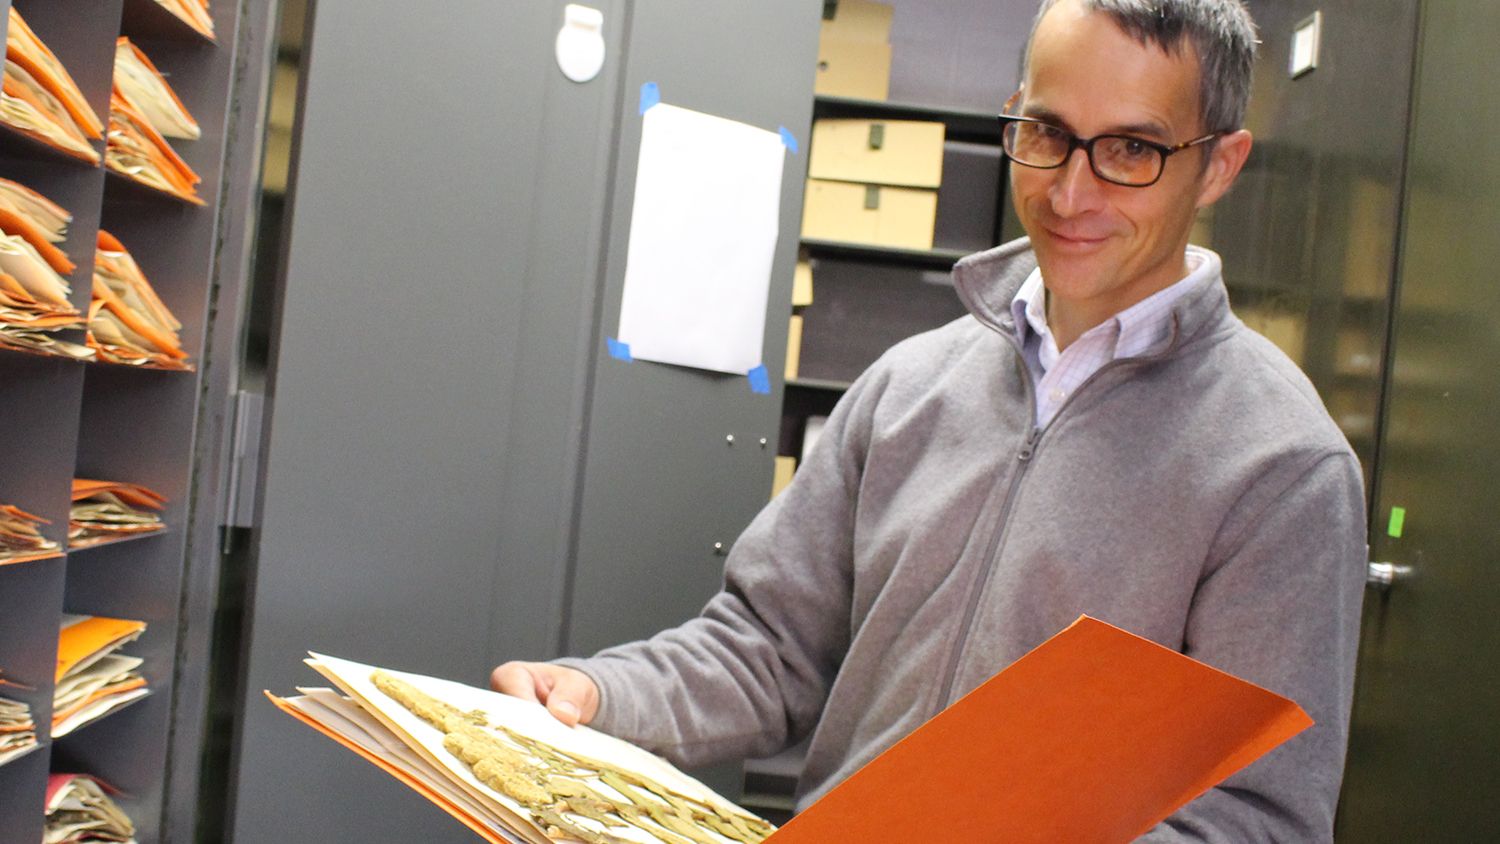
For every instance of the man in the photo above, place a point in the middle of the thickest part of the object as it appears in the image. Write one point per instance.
(1101, 436)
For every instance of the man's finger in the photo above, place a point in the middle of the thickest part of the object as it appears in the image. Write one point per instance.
(514, 679)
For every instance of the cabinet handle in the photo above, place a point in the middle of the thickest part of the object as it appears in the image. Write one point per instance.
(1383, 575)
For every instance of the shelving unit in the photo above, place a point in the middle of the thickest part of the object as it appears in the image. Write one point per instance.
(66, 419)
(870, 297)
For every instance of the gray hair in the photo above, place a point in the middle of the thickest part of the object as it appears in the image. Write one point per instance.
(1220, 32)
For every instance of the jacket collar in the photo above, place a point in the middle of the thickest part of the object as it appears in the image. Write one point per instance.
(987, 282)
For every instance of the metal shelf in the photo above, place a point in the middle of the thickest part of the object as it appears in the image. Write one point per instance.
(119, 540)
(819, 384)
(975, 127)
(931, 259)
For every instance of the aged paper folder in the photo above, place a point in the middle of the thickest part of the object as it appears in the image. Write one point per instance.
(41, 100)
(107, 510)
(137, 151)
(1094, 736)
(17, 726)
(194, 13)
(92, 679)
(145, 86)
(34, 288)
(80, 809)
(128, 323)
(21, 538)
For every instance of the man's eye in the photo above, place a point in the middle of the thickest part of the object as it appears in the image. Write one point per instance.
(1051, 133)
(1131, 148)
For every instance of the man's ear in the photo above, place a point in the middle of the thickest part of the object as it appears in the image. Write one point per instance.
(1224, 163)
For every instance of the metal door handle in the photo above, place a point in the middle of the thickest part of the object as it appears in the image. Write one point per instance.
(1382, 575)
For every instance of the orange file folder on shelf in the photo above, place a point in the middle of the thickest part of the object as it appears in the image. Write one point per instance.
(21, 538)
(128, 322)
(1096, 735)
(106, 510)
(85, 638)
(192, 12)
(80, 809)
(92, 678)
(41, 100)
(147, 89)
(137, 151)
(34, 289)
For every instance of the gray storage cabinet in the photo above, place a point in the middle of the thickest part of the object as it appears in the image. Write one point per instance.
(456, 472)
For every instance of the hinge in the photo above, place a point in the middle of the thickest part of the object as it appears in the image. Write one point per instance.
(244, 460)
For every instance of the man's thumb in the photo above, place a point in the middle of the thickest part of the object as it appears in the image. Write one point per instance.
(573, 699)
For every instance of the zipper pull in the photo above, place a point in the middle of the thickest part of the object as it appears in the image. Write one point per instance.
(1029, 446)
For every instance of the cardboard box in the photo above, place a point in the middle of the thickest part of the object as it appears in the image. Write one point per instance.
(793, 348)
(802, 283)
(786, 467)
(905, 153)
(853, 69)
(859, 21)
(874, 215)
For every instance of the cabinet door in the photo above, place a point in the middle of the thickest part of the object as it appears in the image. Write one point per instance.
(1422, 750)
(425, 152)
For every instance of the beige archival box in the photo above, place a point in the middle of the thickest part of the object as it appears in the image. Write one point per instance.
(905, 153)
(874, 215)
(855, 21)
(853, 69)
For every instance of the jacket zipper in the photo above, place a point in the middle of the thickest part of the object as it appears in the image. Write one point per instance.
(1002, 525)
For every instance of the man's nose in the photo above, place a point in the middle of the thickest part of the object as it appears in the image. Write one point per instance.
(1076, 189)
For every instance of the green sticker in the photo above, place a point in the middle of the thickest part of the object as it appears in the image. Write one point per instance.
(1398, 521)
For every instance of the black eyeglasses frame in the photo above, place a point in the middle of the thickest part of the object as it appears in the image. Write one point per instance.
(1087, 144)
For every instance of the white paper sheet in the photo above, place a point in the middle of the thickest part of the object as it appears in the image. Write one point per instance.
(702, 235)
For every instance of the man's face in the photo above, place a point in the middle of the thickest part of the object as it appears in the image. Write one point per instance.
(1101, 246)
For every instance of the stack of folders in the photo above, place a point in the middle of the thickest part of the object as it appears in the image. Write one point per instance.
(79, 809)
(40, 98)
(33, 290)
(17, 728)
(92, 679)
(143, 112)
(128, 322)
(192, 12)
(20, 537)
(107, 510)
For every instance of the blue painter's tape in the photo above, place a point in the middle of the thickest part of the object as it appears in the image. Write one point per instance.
(618, 350)
(760, 380)
(789, 139)
(650, 96)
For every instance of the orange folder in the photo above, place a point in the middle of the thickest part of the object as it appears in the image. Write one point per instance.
(104, 511)
(86, 638)
(1096, 735)
(21, 539)
(23, 47)
(139, 153)
(147, 88)
(128, 322)
(41, 100)
(132, 494)
(194, 13)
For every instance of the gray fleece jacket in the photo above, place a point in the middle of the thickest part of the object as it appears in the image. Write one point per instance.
(1199, 496)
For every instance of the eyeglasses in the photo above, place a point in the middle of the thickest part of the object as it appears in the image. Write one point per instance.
(1120, 159)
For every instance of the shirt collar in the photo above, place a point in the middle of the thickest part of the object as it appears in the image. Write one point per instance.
(1140, 326)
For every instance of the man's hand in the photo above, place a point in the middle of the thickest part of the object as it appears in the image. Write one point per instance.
(568, 693)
